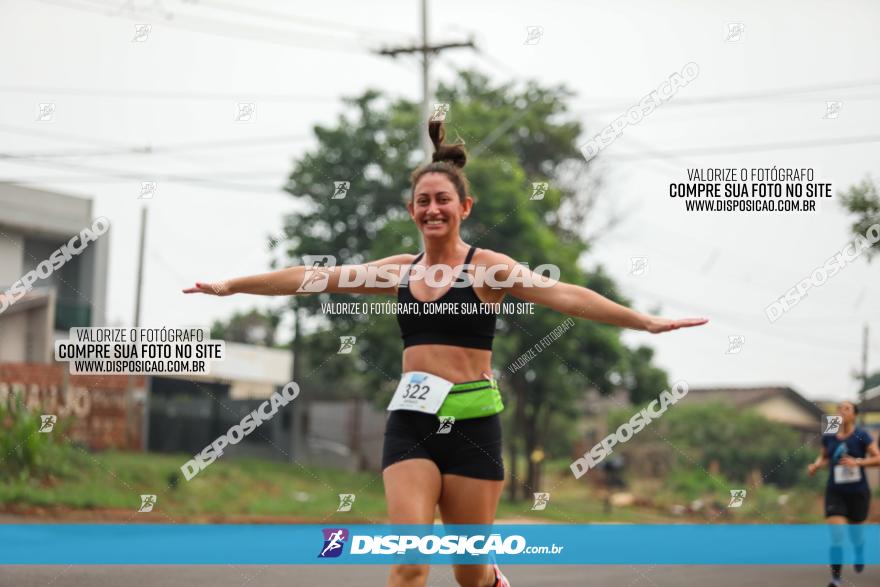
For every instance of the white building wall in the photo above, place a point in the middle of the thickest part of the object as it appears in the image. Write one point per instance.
(29, 215)
(13, 339)
(38, 212)
(11, 255)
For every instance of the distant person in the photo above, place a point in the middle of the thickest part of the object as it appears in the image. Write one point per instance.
(847, 495)
(613, 480)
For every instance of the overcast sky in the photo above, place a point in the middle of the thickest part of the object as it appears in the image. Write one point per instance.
(759, 101)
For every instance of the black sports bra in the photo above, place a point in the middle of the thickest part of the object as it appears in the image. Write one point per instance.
(472, 326)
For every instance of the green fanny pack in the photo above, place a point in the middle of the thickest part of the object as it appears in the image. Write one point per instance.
(472, 399)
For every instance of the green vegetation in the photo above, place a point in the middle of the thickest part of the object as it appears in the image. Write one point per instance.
(245, 487)
(737, 445)
(699, 453)
(863, 201)
(26, 453)
(108, 486)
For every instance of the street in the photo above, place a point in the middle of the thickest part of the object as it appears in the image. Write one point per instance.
(441, 576)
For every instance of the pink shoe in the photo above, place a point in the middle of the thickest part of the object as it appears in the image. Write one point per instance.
(500, 579)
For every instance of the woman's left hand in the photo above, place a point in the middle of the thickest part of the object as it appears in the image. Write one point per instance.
(656, 325)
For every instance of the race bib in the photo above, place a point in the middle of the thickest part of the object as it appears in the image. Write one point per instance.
(847, 474)
(421, 392)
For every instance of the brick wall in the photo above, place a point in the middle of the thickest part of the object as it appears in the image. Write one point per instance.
(95, 405)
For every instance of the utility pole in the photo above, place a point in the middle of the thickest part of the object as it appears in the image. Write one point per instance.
(140, 269)
(299, 421)
(427, 51)
(129, 386)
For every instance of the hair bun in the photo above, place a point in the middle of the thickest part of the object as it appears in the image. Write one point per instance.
(454, 154)
(450, 154)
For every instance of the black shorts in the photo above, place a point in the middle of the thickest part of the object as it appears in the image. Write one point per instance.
(471, 448)
(852, 505)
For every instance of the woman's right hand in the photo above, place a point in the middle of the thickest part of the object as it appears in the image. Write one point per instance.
(219, 288)
(811, 469)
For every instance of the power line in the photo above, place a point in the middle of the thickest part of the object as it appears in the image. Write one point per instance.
(166, 95)
(218, 28)
(160, 149)
(309, 21)
(86, 179)
(496, 62)
(148, 176)
(56, 135)
(738, 322)
(747, 96)
(808, 144)
(651, 153)
(117, 148)
(173, 19)
(112, 175)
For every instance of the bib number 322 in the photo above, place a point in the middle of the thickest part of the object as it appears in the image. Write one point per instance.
(421, 392)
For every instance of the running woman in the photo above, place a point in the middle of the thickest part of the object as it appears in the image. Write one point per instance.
(447, 358)
(847, 495)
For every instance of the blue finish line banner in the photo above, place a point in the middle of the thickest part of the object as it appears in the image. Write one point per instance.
(569, 544)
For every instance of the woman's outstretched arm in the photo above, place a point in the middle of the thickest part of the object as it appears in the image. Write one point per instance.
(579, 302)
(375, 277)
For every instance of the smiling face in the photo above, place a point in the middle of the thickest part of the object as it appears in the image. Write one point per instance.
(436, 207)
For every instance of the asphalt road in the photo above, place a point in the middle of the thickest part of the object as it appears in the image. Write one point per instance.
(441, 576)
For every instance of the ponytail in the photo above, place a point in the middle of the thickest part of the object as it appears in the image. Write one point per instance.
(454, 154)
(447, 159)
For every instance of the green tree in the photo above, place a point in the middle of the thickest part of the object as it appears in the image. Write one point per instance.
(646, 381)
(252, 327)
(515, 138)
(873, 380)
(863, 201)
(697, 435)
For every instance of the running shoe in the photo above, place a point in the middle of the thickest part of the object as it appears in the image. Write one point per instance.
(500, 579)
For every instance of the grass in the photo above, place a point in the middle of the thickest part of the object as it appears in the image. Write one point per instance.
(254, 490)
(243, 487)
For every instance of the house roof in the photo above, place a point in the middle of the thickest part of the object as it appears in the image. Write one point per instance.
(872, 400)
(750, 396)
